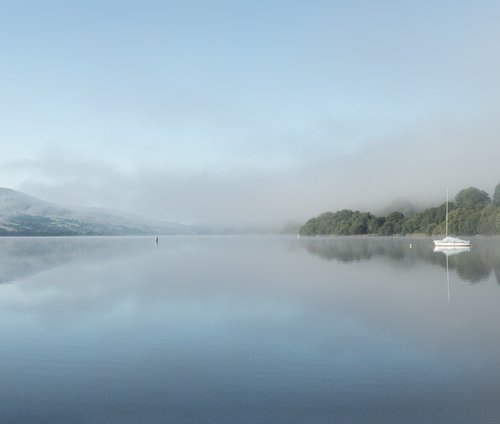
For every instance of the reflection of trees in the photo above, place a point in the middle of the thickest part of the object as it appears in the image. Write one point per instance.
(22, 257)
(497, 273)
(473, 266)
(351, 249)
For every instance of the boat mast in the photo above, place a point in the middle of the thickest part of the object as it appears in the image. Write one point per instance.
(446, 211)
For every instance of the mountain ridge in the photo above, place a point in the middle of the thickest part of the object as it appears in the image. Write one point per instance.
(24, 215)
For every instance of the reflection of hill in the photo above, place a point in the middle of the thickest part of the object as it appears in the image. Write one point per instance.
(473, 266)
(22, 257)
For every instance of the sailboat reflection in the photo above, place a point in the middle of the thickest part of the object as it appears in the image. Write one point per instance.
(450, 251)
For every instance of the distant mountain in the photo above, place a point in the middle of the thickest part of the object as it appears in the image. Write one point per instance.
(24, 215)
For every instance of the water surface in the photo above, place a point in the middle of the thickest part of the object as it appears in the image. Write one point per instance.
(248, 330)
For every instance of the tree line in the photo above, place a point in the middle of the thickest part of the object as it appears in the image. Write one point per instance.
(472, 212)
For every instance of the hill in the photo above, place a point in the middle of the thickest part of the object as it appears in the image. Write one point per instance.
(24, 215)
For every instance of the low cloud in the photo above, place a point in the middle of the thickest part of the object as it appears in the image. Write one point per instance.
(417, 164)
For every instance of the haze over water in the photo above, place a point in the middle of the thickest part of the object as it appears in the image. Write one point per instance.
(248, 330)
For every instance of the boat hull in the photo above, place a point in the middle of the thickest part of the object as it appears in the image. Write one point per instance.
(452, 246)
(465, 243)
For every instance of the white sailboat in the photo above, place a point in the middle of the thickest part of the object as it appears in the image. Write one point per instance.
(450, 242)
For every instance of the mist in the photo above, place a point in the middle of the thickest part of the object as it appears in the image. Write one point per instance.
(417, 164)
(200, 118)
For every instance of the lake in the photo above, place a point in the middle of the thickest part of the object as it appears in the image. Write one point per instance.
(248, 330)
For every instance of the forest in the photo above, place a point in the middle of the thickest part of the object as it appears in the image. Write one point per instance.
(472, 212)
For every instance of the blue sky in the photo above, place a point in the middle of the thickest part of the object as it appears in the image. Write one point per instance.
(208, 110)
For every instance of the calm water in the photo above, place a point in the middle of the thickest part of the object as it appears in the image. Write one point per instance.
(248, 330)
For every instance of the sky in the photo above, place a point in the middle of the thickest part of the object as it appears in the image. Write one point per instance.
(248, 112)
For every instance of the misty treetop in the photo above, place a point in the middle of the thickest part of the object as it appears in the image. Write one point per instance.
(344, 222)
(473, 212)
